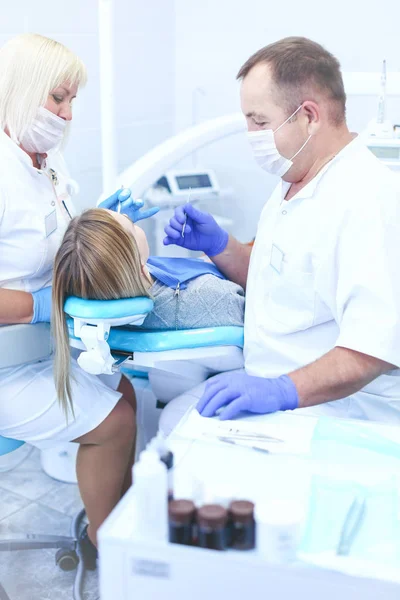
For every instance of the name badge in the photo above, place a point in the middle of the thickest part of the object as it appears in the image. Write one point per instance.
(276, 258)
(50, 223)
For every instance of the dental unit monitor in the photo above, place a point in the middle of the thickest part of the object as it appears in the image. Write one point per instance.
(179, 183)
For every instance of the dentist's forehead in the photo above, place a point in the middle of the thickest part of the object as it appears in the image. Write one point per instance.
(257, 91)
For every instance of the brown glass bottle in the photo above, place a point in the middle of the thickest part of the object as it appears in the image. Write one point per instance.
(212, 520)
(181, 516)
(242, 527)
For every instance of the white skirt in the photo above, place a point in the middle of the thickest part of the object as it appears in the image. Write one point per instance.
(31, 412)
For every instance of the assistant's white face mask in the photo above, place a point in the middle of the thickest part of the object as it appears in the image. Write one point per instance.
(45, 133)
(267, 154)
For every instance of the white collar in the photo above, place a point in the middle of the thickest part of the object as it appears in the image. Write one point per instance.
(16, 150)
(308, 190)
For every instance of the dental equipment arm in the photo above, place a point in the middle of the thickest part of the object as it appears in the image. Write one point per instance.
(15, 307)
(140, 176)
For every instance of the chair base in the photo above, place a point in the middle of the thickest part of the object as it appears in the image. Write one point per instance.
(69, 552)
(59, 462)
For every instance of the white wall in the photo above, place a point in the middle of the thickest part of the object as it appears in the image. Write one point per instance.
(168, 49)
(215, 37)
(144, 57)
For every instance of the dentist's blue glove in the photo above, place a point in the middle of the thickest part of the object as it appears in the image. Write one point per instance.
(42, 305)
(240, 392)
(201, 232)
(129, 206)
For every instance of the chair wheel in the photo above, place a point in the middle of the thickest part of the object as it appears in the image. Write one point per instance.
(67, 560)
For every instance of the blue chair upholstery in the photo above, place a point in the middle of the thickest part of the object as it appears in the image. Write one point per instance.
(130, 339)
(107, 309)
(8, 445)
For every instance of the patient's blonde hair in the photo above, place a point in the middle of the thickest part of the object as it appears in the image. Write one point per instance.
(98, 259)
(31, 66)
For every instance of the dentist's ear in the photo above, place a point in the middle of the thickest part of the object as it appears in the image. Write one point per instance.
(313, 114)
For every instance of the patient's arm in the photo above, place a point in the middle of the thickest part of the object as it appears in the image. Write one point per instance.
(15, 307)
(234, 261)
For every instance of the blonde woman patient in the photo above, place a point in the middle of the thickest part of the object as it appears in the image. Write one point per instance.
(105, 256)
(39, 81)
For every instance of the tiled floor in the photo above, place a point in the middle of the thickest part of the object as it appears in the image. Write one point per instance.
(32, 502)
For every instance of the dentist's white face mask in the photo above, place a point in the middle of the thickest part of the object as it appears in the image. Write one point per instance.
(45, 133)
(266, 152)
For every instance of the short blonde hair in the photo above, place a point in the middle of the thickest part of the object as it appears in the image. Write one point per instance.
(97, 260)
(30, 67)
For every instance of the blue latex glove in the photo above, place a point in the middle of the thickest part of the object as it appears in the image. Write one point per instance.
(129, 206)
(202, 232)
(240, 392)
(42, 305)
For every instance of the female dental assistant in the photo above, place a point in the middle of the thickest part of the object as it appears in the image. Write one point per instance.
(39, 78)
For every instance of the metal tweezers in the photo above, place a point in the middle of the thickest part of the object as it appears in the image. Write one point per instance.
(352, 525)
(184, 224)
(236, 434)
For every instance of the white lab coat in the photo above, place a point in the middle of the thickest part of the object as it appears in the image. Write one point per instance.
(34, 214)
(325, 272)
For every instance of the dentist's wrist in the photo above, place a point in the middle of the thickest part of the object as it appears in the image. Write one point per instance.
(219, 243)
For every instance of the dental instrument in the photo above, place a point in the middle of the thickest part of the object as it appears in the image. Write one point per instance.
(352, 525)
(242, 436)
(241, 432)
(230, 441)
(184, 224)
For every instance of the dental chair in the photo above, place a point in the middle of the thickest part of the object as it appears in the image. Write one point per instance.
(160, 364)
(175, 361)
(21, 344)
(107, 332)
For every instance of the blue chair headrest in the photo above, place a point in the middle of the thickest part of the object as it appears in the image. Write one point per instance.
(107, 309)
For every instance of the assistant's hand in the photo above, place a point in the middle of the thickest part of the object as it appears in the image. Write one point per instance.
(42, 305)
(129, 206)
(202, 232)
(241, 392)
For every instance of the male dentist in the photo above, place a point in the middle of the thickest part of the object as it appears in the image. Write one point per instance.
(322, 324)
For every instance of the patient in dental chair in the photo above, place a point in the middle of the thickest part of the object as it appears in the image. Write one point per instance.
(105, 256)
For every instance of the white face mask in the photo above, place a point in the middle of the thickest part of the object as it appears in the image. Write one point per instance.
(45, 133)
(266, 153)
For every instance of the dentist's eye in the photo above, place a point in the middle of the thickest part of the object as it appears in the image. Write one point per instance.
(57, 99)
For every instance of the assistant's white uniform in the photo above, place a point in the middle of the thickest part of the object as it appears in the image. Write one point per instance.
(35, 209)
(325, 272)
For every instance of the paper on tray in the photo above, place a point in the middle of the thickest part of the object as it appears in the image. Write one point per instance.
(294, 431)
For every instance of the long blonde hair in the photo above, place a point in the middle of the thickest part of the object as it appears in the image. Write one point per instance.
(98, 259)
(31, 66)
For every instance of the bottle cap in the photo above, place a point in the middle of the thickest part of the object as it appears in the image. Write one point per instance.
(168, 459)
(181, 511)
(242, 511)
(212, 515)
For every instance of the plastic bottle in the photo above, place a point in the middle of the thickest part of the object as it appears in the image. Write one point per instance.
(160, 445)
(150, 484)
(278, 530)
